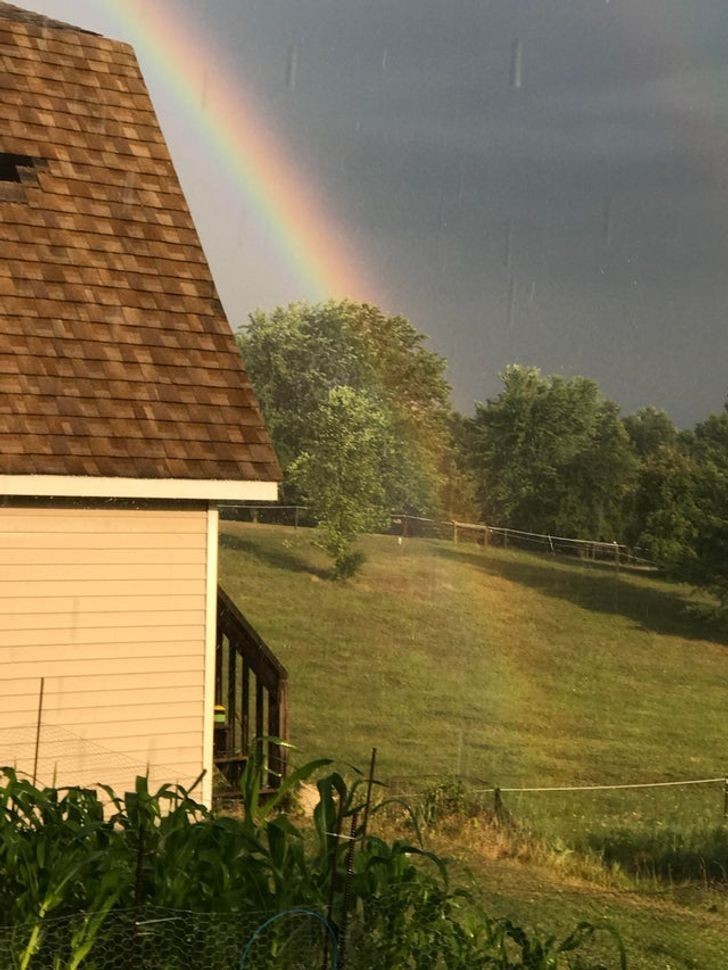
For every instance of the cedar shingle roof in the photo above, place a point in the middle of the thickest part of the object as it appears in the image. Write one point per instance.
(115, 355)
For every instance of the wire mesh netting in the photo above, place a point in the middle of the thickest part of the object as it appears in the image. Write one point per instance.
(160, 939)
(657, 933)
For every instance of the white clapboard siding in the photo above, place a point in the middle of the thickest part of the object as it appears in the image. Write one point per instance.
(109, 607)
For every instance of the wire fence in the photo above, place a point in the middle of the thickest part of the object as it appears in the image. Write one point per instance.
(407, 526)
(658, 931)
(687, 804)
(164, 939)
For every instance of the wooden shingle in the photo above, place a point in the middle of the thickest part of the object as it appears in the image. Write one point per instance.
(116, 359)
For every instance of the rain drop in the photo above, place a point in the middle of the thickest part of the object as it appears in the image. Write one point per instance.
(441, 220)
(511, 302)
(508, 245)
(292, 66)
(607, 216)
(516, 64)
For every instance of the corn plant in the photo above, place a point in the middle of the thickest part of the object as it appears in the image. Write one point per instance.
(79, 876)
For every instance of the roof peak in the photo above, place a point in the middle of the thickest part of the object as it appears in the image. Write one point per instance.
(9, 11)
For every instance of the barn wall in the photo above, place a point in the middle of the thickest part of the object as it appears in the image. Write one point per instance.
(109, 606)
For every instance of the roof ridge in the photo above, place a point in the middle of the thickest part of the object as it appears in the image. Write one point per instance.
(9, 11)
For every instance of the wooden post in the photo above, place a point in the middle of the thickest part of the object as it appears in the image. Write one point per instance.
(725, 798)
(277, 702)
(295, 518)
(498, 804)
(455, 533)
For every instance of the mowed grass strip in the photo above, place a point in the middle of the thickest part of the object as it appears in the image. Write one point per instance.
(508, 668)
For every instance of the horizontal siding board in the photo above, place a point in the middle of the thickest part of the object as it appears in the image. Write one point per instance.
(118, 515)
(58, 689)
(75, 542)
(132, 718)
(99, 642)
(108, 555)
(112, 667)
(27, 605)
(67, 572)
(80, 524)
(87, 590)
(151, 735)
(118, 621)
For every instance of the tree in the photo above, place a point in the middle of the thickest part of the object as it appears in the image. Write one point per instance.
(708, 565)
(664, 508)
(550, 455)
(648, 430)
(681, 507)
(297, 354)
(339, 474)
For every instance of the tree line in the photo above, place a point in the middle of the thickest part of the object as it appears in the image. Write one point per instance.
(361, 415)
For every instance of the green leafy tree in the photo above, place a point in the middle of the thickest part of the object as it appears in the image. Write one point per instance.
(650, 429)
(340, 474)
(551, 455)
(680, 507)
(298, 353)
(708, 565)
(664, 507)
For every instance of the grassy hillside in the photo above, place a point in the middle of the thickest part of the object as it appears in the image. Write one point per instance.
(518, 670)
(502, 666)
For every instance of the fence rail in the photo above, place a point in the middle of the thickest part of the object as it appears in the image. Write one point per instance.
(417, 526)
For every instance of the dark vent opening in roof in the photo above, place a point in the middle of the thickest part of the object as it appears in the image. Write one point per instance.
(9, 165)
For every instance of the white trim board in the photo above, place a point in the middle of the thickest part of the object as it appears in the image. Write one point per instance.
(210, 650)
(82, 486)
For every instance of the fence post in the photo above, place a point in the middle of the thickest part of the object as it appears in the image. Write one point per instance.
(455, 533)
(725, 798)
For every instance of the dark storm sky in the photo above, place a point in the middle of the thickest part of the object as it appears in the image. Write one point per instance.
(568, 211)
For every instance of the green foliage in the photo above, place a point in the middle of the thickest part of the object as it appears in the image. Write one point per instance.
(339, 475)
(298, 354)
(664, 510)
(61, 855)
(550, 455)
(650, 429)
(680, 507)
(707, 566)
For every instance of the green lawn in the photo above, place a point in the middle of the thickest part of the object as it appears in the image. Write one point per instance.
(513, 669)
(509, 668)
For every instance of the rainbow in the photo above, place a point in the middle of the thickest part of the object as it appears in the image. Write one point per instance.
(320, 255)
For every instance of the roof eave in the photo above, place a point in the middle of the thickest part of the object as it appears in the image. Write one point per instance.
(180, 489)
